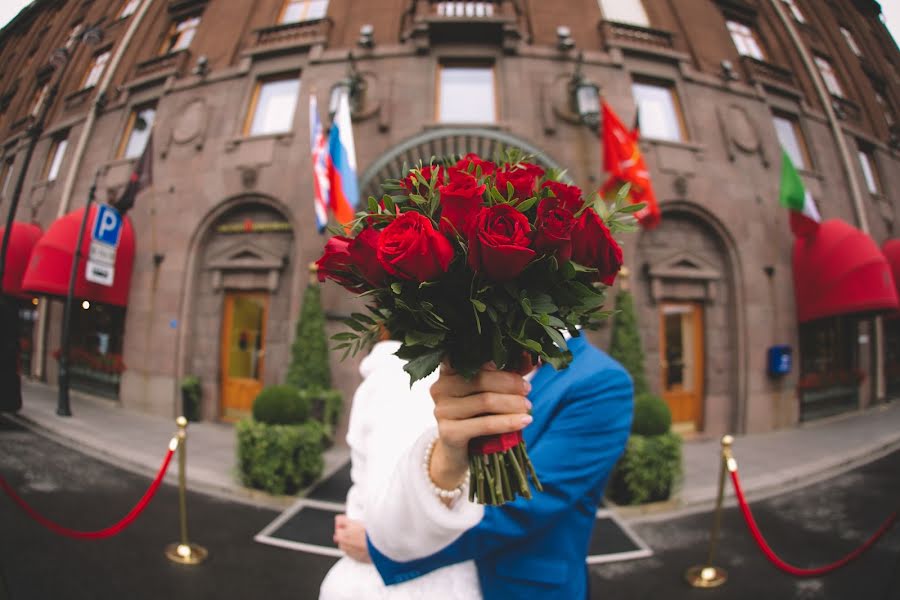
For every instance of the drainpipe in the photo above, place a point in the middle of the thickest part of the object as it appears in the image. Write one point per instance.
(849, 170)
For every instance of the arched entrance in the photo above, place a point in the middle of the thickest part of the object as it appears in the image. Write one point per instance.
(240, 302)
(691, 321)
(443, 142)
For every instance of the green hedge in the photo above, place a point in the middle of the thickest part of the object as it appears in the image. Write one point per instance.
(279, 459)
(325, 404)
(281, 405)
(651, 415)
(648, 470)
(191, 394)
(309, 354)
(625, 345)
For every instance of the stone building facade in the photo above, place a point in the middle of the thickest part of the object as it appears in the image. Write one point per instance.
(227, 230)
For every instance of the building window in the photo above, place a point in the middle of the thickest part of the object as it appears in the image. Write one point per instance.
(40, 95)
(830, 77)
(791, 138)
(867, 162)
(6, 177)
(137, 132)
(54, 158)
(885, 108)
(659, 112)
(625, 11)
(795, 11)
(294, 11)
(95, 71)
(180, 35)
(745, 40)
(272, 106)
(466, 94)
(128, 8)
(851, 41)
(465, 9)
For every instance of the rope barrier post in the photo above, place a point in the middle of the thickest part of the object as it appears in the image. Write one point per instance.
(708, 575)
(184, 552)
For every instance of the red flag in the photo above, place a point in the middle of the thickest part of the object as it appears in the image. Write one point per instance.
(623, 160)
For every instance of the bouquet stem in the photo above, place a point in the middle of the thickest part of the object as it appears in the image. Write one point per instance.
(499, 470)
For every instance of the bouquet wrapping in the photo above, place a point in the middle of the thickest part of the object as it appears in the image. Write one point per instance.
(472, 261)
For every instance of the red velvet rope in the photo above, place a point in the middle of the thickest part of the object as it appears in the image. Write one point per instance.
(492, 444)
(773, 558)
(102, 533)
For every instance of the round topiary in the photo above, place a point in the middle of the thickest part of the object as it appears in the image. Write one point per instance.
(281, 405)
(651, 415)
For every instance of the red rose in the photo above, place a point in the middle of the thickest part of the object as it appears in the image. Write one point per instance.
(487, 167)
(410, 248)
(498, 246)
(364, 256)
(593, 246)
(461, 199)
(554, 228)
(569, 195)
(335, 263)
(523, 177)
(411, 183)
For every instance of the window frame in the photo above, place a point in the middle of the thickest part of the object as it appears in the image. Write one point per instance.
(250, 115)
(750, 35)
(96, 66)
(486, 64)
(795, 11)
(671, 88)
(799, 137)
(172, 39)
(829, 74)
(638, 3)
(866, 157)
(850, 40)
(129, 129)
(6, 174)
(129, 4)
(55, 156)
(309, 4)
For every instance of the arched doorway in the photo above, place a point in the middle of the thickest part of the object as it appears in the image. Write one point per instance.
(443, 142)
(240, 302)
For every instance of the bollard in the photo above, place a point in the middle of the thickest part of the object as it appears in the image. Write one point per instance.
(184, 552)
(707, 575)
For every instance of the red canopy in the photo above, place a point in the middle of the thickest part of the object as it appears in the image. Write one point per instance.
(51, 262)
(891, 250)
(22, 239)
(839, 271)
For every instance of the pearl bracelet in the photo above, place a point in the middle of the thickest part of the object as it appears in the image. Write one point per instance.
(438, 491)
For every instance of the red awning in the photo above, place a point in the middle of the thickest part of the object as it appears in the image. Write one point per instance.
(51, 262)
(891, 250)
(22, 240)
(840, 271)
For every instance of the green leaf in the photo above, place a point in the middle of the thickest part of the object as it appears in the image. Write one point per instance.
(388, 204)
(397, 287)
(479, 305)
(344, 335)
(526, 306)
(632, 208)
(373, 205)
(543, 303)
(524, 205)
(557, 337)
(530, 344)
(360, 317)
(423, 366)
(424, 338)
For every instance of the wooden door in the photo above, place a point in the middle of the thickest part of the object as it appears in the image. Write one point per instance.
(243, 352)
(681, 358)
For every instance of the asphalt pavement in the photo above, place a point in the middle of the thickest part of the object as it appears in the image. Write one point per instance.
(810, 526)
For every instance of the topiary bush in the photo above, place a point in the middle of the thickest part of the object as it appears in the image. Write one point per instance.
(625, 345)
(279, 459)
(325, 404)
(651, 415)
(647, 471)
(191, 394)
(281, 405)
(309, 354)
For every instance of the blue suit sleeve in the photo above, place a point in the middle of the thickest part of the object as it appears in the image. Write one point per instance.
(573, 459)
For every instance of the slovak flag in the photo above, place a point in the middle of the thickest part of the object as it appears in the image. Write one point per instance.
(342, 164)
(320, 161)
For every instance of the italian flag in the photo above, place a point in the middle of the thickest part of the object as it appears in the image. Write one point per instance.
(805, 217)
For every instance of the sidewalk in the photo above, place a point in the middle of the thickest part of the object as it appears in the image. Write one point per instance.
(768, 462)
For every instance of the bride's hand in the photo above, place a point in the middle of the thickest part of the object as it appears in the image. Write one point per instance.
(350, 536)
(492, 402)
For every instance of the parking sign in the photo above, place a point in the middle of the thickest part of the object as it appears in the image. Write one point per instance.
(107, 225)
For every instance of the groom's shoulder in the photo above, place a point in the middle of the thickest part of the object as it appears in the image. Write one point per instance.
(592, 362)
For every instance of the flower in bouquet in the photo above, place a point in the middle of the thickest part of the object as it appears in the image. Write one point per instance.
(474, 261)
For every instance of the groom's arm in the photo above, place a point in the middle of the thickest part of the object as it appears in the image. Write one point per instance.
(413, 533)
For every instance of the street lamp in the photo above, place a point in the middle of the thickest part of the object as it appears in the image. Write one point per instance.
(584, 96)
(353, 85)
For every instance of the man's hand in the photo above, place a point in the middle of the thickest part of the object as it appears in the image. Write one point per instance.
(350, 536)
(491, 403)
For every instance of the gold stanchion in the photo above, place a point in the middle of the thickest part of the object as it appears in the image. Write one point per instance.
(707, 575)
(184, 552)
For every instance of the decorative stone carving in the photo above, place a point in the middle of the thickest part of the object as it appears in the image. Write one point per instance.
(683, 277)
(246, 266)
(740, 132)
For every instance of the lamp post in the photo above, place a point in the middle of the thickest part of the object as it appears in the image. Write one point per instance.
(59, 61)
(584, 96)
(353, 85)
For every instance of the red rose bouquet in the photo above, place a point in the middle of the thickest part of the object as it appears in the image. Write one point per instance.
(474, 261)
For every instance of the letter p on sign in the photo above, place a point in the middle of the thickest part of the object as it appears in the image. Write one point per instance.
(107, 225)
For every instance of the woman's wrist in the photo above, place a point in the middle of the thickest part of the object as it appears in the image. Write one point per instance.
(447, 469)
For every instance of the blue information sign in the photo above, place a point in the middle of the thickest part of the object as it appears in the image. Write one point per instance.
(107, 225)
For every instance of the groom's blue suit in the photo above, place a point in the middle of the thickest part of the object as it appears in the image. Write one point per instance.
(537, 548)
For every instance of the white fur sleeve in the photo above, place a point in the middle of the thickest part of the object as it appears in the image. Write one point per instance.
(407, 520)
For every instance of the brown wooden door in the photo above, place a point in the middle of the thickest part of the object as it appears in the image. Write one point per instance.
(681, 358)
(243, 352)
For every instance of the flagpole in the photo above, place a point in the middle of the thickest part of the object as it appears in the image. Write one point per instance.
(63, 408)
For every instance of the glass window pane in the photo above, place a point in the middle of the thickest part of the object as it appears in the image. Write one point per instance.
(141, 127)
(59, 152)
(467, 95)
(304, 10)
(246, 338)
(851, 41)
(868, 169)
(829, 76)
(625, 11)
(129, 8)
(275, 104)
(744, 40)
(795, 11)
(657, 112)
(788, 135)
